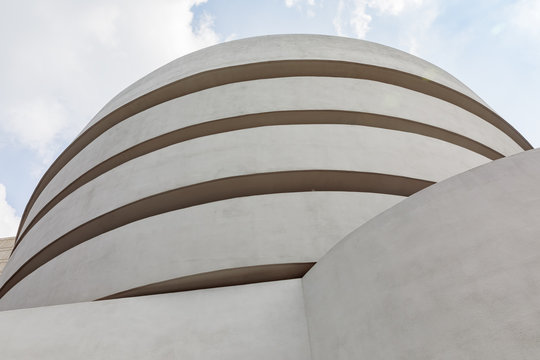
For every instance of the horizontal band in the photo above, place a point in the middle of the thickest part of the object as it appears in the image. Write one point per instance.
(219, 278)
(216, 190)
(258, 120)
(266, 70)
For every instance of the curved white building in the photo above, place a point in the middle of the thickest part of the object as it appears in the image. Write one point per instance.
(242, 163)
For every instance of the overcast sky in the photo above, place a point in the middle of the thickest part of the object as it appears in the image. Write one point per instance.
(62, 60)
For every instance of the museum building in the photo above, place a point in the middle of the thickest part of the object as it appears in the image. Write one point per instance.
(283, 197)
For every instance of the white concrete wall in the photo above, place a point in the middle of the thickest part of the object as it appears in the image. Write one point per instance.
(258, 150)
(248, 231)
(285, 94)
(453, 272)
(450, 273)
(285, 47)
(258, 321)
(401, 146)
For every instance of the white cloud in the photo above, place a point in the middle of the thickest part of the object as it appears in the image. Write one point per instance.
(360, 13)
(307, 5)
(392, 7)
(67, 59)
(338, 20)
(101, 21)
(497, 29)
(360, 19)
(525, 16)
(291, 3)
(8, 221)
(37, 123)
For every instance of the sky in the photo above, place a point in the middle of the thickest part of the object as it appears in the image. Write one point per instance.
(62, 60)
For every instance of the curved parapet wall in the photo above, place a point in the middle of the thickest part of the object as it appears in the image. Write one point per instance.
(295, 139)
(452, 272)
(255, 321)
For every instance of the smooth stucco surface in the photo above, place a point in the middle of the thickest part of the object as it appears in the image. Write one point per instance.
(285, 47)
(258, 150)
(253, 230)
(249, 162)
(285, 94)
(258, 321)
(252, 155)
(450, 273)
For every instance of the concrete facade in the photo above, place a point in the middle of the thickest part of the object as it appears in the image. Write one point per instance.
(6, 246)
(256, 321)
(449, 273)
(243, 167)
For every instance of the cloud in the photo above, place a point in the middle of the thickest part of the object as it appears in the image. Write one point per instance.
(67, 59)
(291, 3)
(360, 16)
(338, 19)
(393, 7)
(360, 19)
(37, 123)
(525, 16)
(302, 5)
(8, 221)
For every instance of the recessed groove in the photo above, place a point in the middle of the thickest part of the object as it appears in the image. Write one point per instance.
(295, 117)
(267, 70)
(216, 190)
(219, 278)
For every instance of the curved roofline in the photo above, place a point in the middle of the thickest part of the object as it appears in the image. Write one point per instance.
(263, 70)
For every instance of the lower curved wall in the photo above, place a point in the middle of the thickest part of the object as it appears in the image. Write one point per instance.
(453, 272)
(259, 321)
(241, 232)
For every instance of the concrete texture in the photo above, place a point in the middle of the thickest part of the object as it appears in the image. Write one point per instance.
(246, 163)
(261, 96)
(6, 246)
(258, 321)
(181, 131)
(449, 273)
(285, 47)
(258, 150)
(279, 57)
(254, 230)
